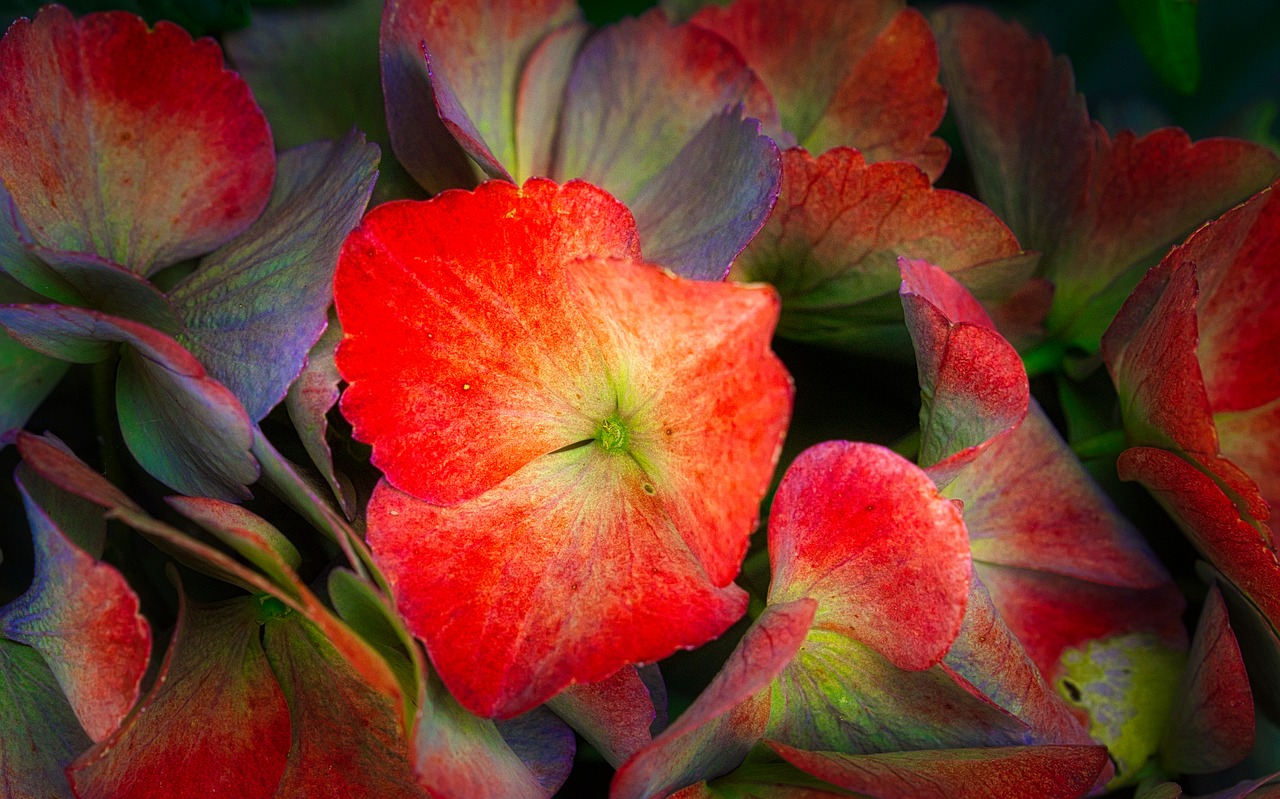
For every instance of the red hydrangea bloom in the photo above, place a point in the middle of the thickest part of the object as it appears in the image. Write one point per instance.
(575, 442)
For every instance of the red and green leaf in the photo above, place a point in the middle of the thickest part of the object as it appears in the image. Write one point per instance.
(1143, 196)
(859, 75)
(129, 143)
(1102, 209)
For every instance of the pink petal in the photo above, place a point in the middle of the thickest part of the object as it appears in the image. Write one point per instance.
(461, 92)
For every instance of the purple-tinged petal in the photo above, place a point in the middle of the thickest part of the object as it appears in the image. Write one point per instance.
(701, 210)
(450, 73)
(215, 720)
(81, 615)
(79, 278)
(832, 242)
(255, 307)
(39, 732)
(860, 75)
(309, 401)
(639, 93)
(1046, 772)
(543, 742)
(347, 738)
(186, 429)
(972, 384)
(864, 532)
(130, 143)
(542, 93)
(458, 754)
(1211, 725)
(613, 715)
(727, 719)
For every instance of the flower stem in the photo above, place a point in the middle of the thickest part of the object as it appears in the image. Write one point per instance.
(282, 479)
(1109, 445)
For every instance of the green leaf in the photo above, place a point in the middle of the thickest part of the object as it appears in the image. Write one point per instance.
(1166, 32)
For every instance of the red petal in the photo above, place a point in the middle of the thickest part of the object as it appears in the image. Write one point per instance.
(83, 618)
(832, 242)
(864, 532)
(1050, 614)
(564, 573)
(857, 74)
(347, 741)
(1047, 772)
(973, 386)
(728, 718)
(1077, 533)
(1150, 351)
(1211, 727)
(458, 328)
(1213, 522)
(214, 722)
(134, 144)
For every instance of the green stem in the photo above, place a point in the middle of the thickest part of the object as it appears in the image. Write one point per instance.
(282, 479)
(1044, 358)
(104, 419)
(908, 446)
(1109, 444)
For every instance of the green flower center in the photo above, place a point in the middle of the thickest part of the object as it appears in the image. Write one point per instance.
(613, 435)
